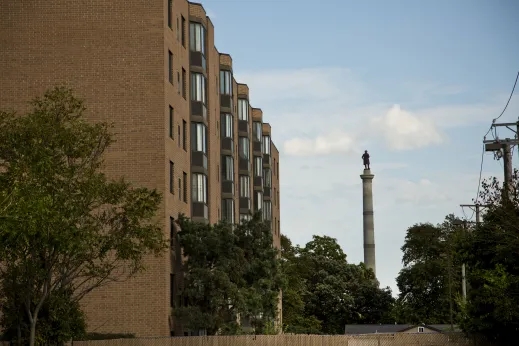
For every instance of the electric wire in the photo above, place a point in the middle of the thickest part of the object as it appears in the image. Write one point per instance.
(504, 109)
(495, 137)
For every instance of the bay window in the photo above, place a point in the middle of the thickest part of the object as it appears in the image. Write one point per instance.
(243, 109)
(228, 210)
(199, 137)
(198, 87)
(228, 168)
(258, 200)
(244, 148)
(199, 188)
(266, 145)
(227, 125)
(267, 210)
(197, 37)
(267, 177)
(225, 82)
(258, 166)
(256, 131)
(244, 186)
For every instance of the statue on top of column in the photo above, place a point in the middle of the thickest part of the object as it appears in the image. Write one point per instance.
(365, 158)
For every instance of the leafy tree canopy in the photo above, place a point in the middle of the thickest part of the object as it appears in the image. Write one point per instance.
(64, 226)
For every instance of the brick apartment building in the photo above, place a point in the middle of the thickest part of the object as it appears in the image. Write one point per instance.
(183, 124)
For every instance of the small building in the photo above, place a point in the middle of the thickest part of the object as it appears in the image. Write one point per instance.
(360, 329)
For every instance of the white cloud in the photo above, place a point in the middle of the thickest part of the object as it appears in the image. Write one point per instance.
(323, 117)
(404, 131)
(332, 143)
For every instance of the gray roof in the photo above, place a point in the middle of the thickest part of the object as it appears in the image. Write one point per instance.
(392, 328)
(375, 328)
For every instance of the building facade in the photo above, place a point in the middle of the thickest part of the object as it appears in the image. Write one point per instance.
(183, 125)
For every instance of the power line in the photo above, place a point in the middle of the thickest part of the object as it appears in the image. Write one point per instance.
(515, 83)
(504, 109)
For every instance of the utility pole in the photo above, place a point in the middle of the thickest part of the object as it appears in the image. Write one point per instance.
(464, 223)
(503, 148)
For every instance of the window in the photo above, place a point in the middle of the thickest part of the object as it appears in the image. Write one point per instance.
(256, 131)
(171, 176)
(228, 168)
(171, 125)
(225, 82)
(172, 232)
(258, 166)
(228, 210)
(197, 37)
(199, 188)
(198, 137)
(227, 125)
(184, 175)
(245, 217)
(183, 32)
(258, 200)
(267, 177)
(178, 30)
(170, 4)
(184, 81)
(274, 196)
(178, 82)
(277, 168)
(170, 66)
(244, 186)
(198, 87)
(178, 136)
(274, 166)
(267, 210)
(179, 189)
(172, 290)
(243, 147)
(243, 109)
(420, 329)
(266, 145)
(184, 134)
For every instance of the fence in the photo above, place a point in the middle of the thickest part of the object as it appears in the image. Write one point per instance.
(400, 339)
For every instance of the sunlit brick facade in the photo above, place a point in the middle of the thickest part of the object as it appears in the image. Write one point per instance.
(183, 124)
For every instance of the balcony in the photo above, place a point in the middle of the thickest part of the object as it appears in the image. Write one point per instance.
(256, 147)
(226, 101)
(199, 159)
(198, 109)
(197, 59)
(267, 192)
(258, 182)
(267, 160)
(228, 144)
(200, 210)
(244, 203)
(243, 127)
(244, 164)
(228, 187)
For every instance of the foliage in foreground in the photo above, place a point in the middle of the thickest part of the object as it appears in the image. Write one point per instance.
(325, 292)
(231, 272)
(491, 254)
(430, 282)
(64, 226)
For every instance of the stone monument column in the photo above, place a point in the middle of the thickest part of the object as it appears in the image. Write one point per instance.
(368, 224)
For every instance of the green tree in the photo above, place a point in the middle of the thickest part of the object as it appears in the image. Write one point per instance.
(328, 292)
(263, 277)
(491, 254)
(213, 276)
(430, 280)
(64, 226)
(231, 271)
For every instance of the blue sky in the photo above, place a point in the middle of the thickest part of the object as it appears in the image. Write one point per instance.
(417, 83)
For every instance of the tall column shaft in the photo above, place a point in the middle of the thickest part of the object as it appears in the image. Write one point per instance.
(368, 223)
